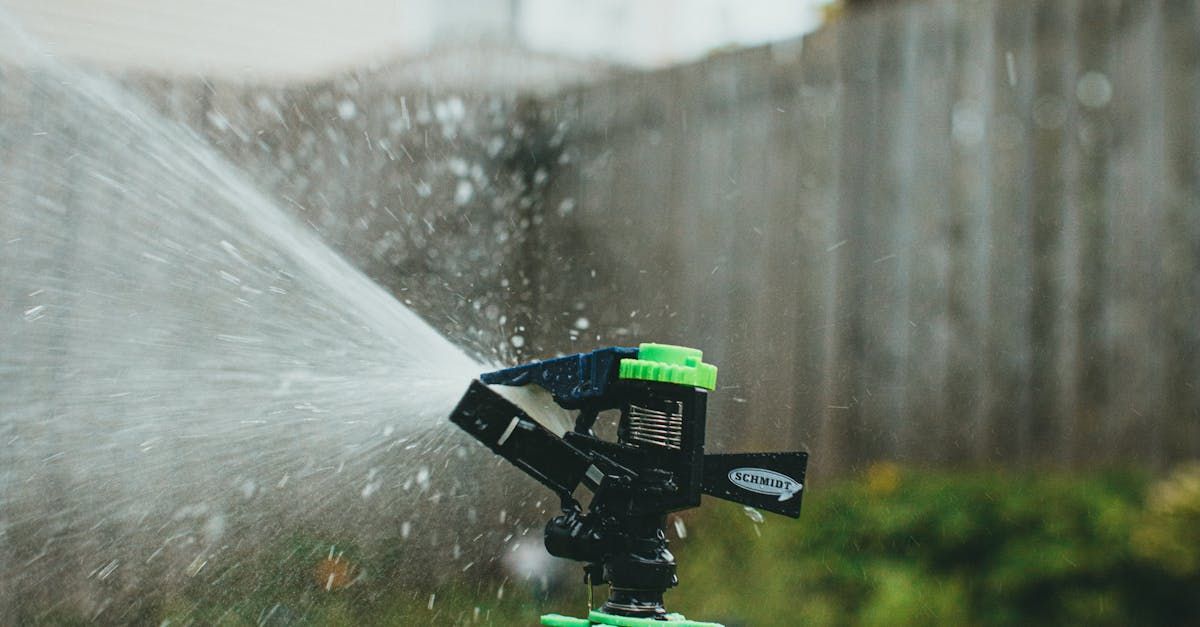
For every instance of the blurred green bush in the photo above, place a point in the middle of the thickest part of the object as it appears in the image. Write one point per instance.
(900, 547)
(1169, 530)
(892, 547)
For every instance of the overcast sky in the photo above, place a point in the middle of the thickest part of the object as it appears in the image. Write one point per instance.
(659, 32)
(304, 38)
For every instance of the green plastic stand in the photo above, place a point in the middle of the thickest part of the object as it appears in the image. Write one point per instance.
(600, 618)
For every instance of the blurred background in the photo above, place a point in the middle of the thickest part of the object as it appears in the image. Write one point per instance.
(949, 247)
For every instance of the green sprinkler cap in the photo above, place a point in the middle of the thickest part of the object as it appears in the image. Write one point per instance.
(670, 364)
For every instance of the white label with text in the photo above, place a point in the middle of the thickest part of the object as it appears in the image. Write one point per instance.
(765, 481)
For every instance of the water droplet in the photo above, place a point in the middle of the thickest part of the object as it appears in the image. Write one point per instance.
(1094, 90)
(463, 193)
(967, 123)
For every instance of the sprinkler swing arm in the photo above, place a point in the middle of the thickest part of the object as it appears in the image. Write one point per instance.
(656, 466)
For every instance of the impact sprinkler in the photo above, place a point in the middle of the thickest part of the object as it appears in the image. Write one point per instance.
(656, 466)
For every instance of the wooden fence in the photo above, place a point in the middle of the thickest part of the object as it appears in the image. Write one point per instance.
(939, 232)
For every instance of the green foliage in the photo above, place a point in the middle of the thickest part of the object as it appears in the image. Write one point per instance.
(893, 547)
(1169, 530)
(908, 548)
(308, 580)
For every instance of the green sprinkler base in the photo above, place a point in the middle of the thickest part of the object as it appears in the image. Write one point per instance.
(600, 618)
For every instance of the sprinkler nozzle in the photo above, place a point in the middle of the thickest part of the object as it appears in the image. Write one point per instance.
(656, 466)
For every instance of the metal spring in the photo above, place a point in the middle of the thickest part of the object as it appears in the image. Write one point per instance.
(657, 428)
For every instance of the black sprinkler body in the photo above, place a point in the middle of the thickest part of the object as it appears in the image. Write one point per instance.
(656, 466)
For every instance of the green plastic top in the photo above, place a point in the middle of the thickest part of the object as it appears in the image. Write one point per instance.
(670, 364)
(600, 618)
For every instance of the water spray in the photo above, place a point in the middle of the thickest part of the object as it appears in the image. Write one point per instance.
(656, 466)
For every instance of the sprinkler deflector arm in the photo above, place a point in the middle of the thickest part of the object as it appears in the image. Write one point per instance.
(656, 466)
(513, 435)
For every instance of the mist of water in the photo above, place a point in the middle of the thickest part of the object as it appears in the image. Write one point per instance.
(183, 367)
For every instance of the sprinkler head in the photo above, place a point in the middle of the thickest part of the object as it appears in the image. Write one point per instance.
(657, 464)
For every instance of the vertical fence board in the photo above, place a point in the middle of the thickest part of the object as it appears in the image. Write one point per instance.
(1181, 185)
(928, 190)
